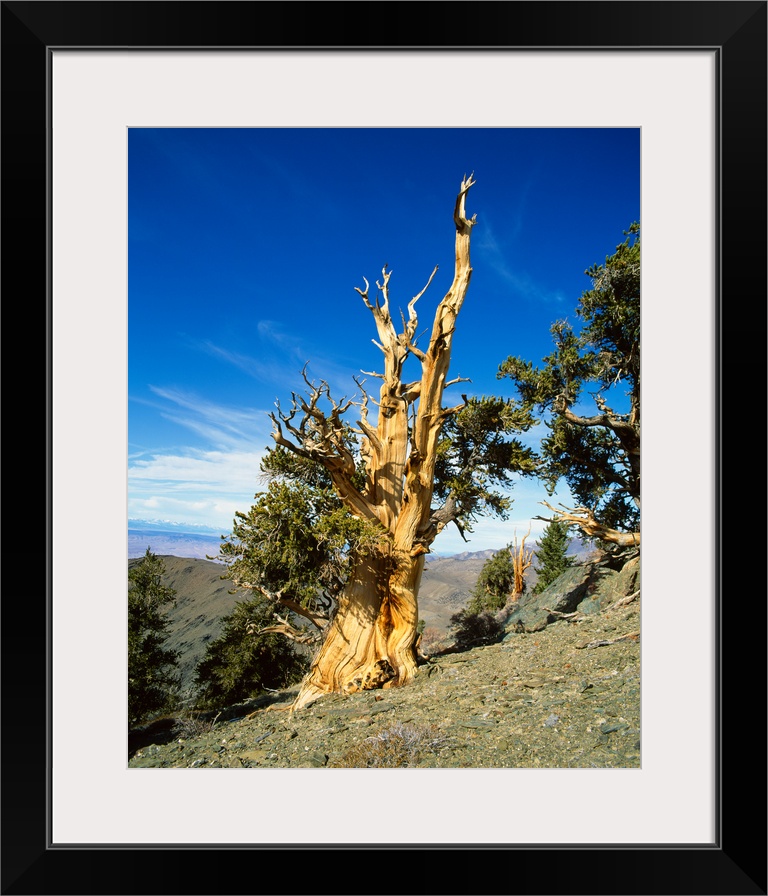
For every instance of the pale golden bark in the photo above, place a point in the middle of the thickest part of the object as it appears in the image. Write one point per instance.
(584, 518)
(521, 563)
(371, 641)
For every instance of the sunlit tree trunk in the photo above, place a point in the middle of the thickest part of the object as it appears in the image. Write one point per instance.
(371, 640)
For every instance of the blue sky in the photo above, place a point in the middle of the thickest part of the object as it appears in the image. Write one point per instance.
(245, 248)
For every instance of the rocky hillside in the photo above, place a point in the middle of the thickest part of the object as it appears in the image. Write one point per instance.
(557, 686)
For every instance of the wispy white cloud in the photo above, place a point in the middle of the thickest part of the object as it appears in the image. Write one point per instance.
(274, 332)
(224, 426)
(248, 364)
(283, 355)
(196, 487)
(199, 484)
(206, 470)
(497, 257)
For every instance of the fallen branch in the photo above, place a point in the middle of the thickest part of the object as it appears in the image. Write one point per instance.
(571, 617)
(623, 601)
(604, 642)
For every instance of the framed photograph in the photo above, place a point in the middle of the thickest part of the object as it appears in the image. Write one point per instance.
(78, 78)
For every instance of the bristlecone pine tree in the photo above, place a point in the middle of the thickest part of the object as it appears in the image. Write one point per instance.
(596, 450)
(417, 450)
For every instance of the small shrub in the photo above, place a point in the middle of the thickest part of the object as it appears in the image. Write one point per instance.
(399, 746)
(494, 584)
(475, 629)
(194, 726)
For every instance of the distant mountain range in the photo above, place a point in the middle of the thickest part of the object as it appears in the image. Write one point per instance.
(202, 542)
(165, 537)
(171, 526)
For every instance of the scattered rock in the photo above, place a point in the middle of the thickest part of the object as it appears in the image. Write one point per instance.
(534, 700)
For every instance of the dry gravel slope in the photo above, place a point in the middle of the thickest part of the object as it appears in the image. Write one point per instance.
(564, 697)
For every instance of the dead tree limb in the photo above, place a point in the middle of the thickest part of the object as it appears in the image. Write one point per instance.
(623, 601)
(605, 642)
(570, 617)
(584, 518)
(521, 562)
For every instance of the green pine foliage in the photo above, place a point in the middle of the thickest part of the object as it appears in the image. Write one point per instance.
(477, 453)
(296, 542)
(297, 538)
(152, 668)
(551, 555)
(494, 584)
(243, 661)
(588, 392)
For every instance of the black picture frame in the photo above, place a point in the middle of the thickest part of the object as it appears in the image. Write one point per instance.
(736, 863)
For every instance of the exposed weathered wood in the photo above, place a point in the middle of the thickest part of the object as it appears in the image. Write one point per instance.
(605, 642)
(521, 562)
(623, 601)
(584, 518)
(371, 641)
(570, 617)
(300, 636)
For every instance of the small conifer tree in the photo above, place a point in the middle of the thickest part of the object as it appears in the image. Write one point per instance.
(152, 667)
(494, 584)
(248, 657)
(552, 555)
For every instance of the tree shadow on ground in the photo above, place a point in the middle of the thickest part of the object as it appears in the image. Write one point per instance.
(189, 723)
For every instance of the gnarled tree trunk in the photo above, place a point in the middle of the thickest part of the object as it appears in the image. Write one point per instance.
(371, 640)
